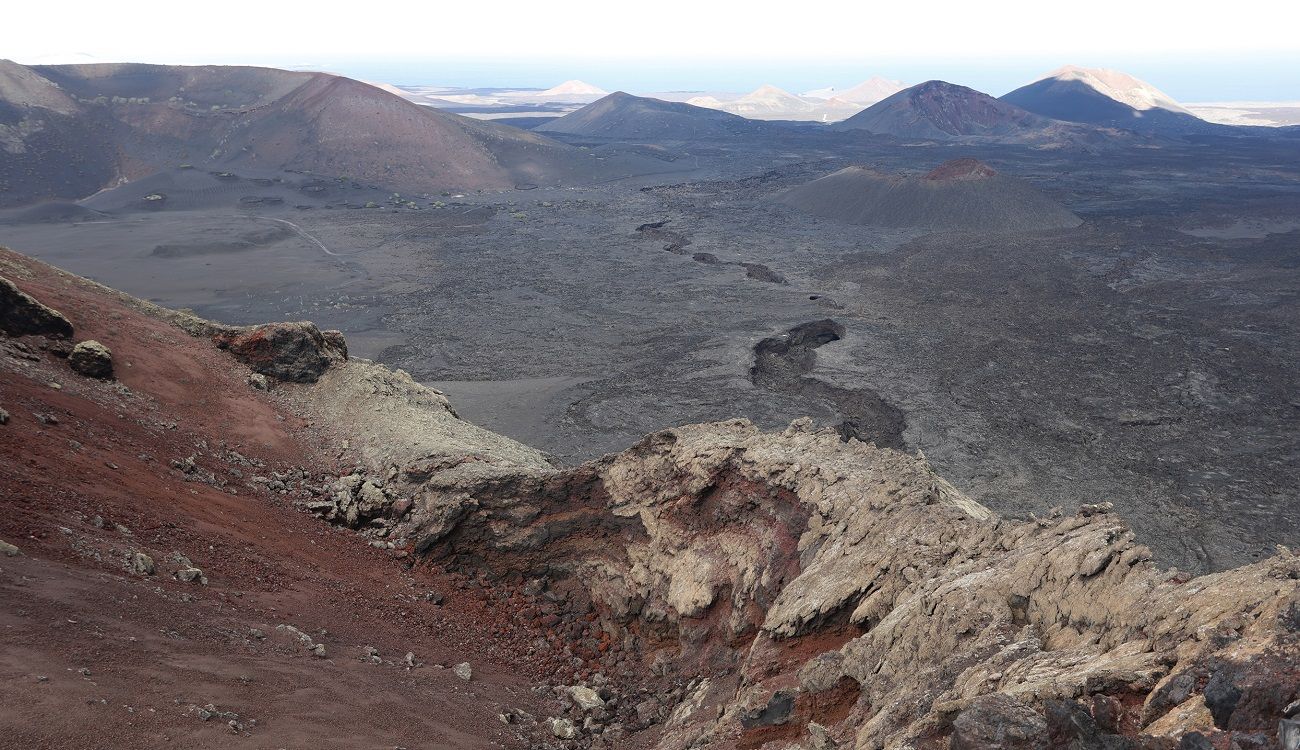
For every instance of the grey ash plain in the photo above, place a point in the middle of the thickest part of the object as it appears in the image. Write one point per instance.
(1150, 357)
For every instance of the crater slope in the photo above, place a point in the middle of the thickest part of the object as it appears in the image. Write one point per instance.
(962, 194)
(320, 551)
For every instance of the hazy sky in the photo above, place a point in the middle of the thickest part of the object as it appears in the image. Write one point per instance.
(1247, 49)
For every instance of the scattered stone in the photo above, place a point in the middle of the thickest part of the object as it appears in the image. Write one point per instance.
(49, 419)
(318, 650)
(1288, 734)
(353, 500)
(463, 671)
(9, 550)
(819, 738)
(92, 359)
(4, 417)
(586, 698)
(191, 575)
(562, 728)
(259, 381)
(21, 315)
(409, 661)
(140, 564)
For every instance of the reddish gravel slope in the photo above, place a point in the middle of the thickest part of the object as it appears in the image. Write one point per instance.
(95, 656)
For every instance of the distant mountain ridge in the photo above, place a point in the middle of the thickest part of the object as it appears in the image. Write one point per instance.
(1108, 98)
(940, 110)
(624, 116)
(866, 93)
(70, 130)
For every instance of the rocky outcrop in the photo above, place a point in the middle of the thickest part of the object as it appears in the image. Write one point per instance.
(295, 352)
(836, 585)
(356, 499)
(92, 359)
(21, 315)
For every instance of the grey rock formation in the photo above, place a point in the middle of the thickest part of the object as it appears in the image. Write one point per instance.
(21, 315)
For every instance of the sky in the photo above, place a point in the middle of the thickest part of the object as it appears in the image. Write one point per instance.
(1194, 50)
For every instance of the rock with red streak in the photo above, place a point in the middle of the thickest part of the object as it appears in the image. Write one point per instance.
(295, 352)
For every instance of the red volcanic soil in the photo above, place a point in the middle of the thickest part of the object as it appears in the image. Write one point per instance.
(93, 655)
(965, 168)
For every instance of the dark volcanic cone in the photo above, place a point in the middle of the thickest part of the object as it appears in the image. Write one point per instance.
(962, 194)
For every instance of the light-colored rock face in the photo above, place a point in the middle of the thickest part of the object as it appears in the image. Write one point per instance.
(836, 593)
(1121, 87)
(789, 589)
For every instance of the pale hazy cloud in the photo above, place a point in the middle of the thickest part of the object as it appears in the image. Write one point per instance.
(238, 30)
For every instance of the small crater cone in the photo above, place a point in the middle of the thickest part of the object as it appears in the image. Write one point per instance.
(965, 168)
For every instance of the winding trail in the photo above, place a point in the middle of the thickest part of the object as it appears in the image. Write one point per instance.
(304, 234)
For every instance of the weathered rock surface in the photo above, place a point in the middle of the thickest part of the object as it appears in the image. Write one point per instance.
(92, 359)
(295, 352)
(21, 315)
(752, 589)
(837, 584)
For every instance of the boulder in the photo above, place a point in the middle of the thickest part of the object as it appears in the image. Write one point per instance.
(777, 711)
(463, 671)
(998, 721)
(1288, 734)
(562, 728)
(191, 575)
(21, 315)
(9, 550)
(294, 352)
(92, 359)
(140, 564)
(586, 698)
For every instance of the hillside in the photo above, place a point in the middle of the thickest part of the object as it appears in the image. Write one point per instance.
(624, 116)
(321, 553)
(962, 194)
(1108, 98)
(72, 130)
(938, 110)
